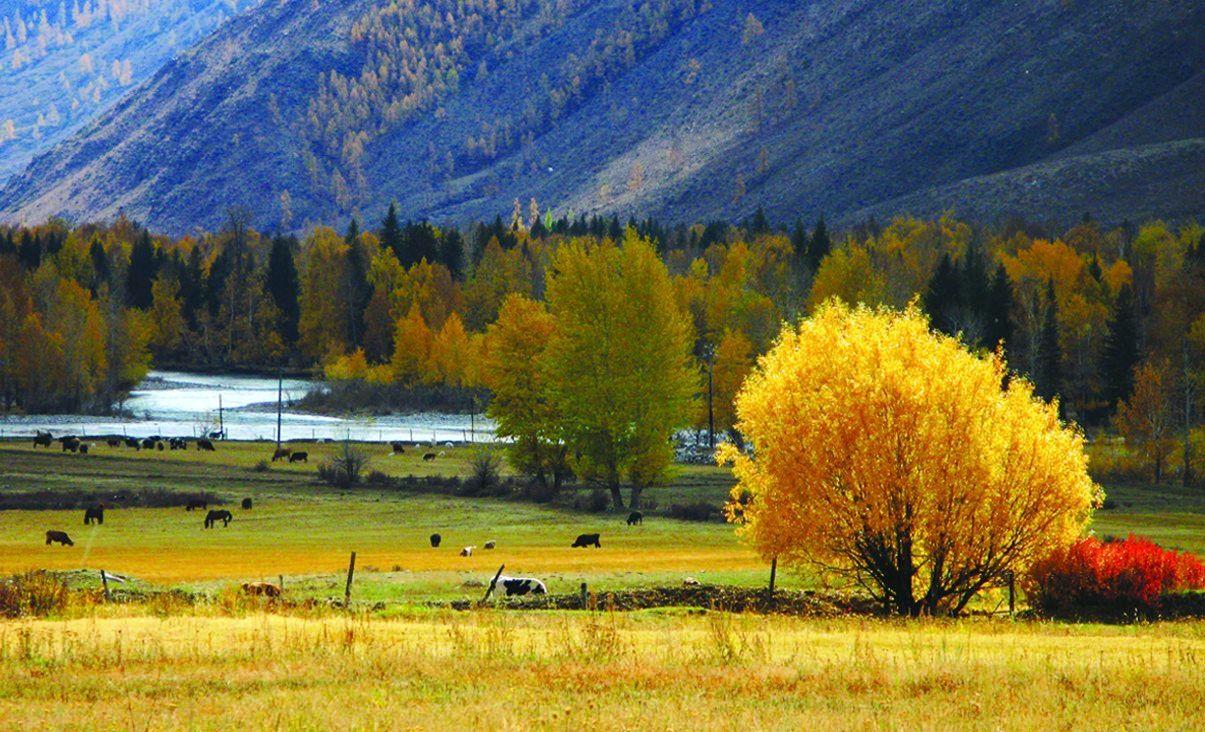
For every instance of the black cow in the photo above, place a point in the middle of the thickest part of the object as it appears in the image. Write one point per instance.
(177, 443)
(195, 503)
(113, 442)
(70, 444)
(148, 444)
(43, 439)
(428, 457)
(398, 448)
(204, 444)
(213, 517)
(585, 540)
(635, 517)
(435, 539)
(132, 442)
(159, 446)
(246, 504)
(281, 453)
(59, 536)
(83, 448)
(519, 586)
(96, 513)
(299, 457)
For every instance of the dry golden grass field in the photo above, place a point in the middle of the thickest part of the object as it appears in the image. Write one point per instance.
(159, 664)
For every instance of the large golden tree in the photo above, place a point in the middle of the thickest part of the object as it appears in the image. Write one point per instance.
(889, 453)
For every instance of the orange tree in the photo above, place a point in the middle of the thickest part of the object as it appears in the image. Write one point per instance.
(889, 453)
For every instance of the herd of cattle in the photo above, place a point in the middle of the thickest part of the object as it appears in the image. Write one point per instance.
(513, 586)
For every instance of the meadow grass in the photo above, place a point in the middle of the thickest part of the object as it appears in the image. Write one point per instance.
(645, 670)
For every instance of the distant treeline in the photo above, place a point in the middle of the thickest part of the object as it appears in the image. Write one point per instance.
(405, 304)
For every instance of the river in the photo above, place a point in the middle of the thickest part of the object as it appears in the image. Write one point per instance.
(172, 403)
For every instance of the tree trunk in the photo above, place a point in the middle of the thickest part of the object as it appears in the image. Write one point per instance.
(616, 497)
(634, 500)
(1186, 470)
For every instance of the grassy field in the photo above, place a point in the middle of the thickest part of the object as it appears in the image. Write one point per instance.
(164, 664)
(647, 670)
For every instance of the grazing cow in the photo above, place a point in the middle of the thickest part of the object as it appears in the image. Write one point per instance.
(282, 453)
(491, 544)
(159, 446)
(83, 448)
(96, 513)
(428, 457)
(585, 540)
(215, 516)
(217, 435)
(43, 439)
(246, 504)
(148, 444)
(435, 539)
(690, 582)
(132, 442)
(113, 442)
(635, 517)
(467, 551)
(177, 443)
(263, 589)
(398, 448)
(70, 444)
(206, 445)
(196, 503)
(520, 586)
(59, 536)
(299, 457)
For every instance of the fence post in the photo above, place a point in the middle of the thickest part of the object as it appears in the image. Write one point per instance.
(351, 573)
(585, 597)
(104, 581)
(281, 578)
(490, 589)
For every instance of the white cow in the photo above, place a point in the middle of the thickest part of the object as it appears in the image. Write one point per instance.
(521, 586)
(467, 551)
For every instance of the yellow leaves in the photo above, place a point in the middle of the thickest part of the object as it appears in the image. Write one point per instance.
(848, 275)
(449, 359)
(411, 347)
(1043, 261)
(857, 413)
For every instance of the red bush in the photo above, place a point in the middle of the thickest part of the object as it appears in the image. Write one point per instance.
(1121, 575)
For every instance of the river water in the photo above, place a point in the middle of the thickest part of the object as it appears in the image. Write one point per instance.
(172, 403)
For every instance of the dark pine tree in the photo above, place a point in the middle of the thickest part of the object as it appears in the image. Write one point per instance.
(282, 285)
(356, 288)
(1121, 352)
(998, 322)
(219, 270)
(100, 266)
(391, 231)
(451, 251)
(820, 245)
(192, 287)
(942, 297)
(799, 245)
(29, 251)
(1048, 376)
(759, 224)
(140, 276)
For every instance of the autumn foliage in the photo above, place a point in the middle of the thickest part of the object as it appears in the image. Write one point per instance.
(892, 455)
(1134, 574)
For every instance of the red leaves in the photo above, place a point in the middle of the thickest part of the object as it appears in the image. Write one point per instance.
(1130, 574)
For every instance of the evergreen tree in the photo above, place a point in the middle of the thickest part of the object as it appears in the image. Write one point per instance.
(141, 274)
(391, 231)
(356, 289)
(1121, 353)
(1049, 372)
(282, 285)
(419, 241)
(100, 266)
(759, 224)
(451, 251)
(820, 245)
(799, 244)
(998, 323)
(192, 287)
(29, 251)
(215, 282)
(942, 296)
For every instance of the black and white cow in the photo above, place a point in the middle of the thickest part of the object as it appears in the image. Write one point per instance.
(519, 586)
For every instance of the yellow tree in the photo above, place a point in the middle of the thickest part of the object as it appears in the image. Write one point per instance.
(1147, 418)
(323, 322)
(891, 454)
(166, 317)
(449, 354)
(619, 366)
(732, 362)
(512, 369)
(411, 348)
(848, 273)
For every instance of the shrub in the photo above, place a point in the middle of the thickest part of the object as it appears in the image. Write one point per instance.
(485, 474)
(596, 501)
(1134, 574)
(32, 594)
(344, 469)
(377, 478)
(696, 511)
(262, 466)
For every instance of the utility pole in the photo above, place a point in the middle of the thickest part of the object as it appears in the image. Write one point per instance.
(221, 420)
(280, 379)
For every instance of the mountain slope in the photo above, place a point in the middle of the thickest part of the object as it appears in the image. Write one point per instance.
(685, 109)
(65, 63)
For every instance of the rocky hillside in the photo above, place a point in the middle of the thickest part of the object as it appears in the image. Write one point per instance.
(685, 109)
(65, 63)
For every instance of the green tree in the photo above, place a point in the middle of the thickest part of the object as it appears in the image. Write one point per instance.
(141, 273)
(283, 286)
(1121, 354)
(619, 365)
